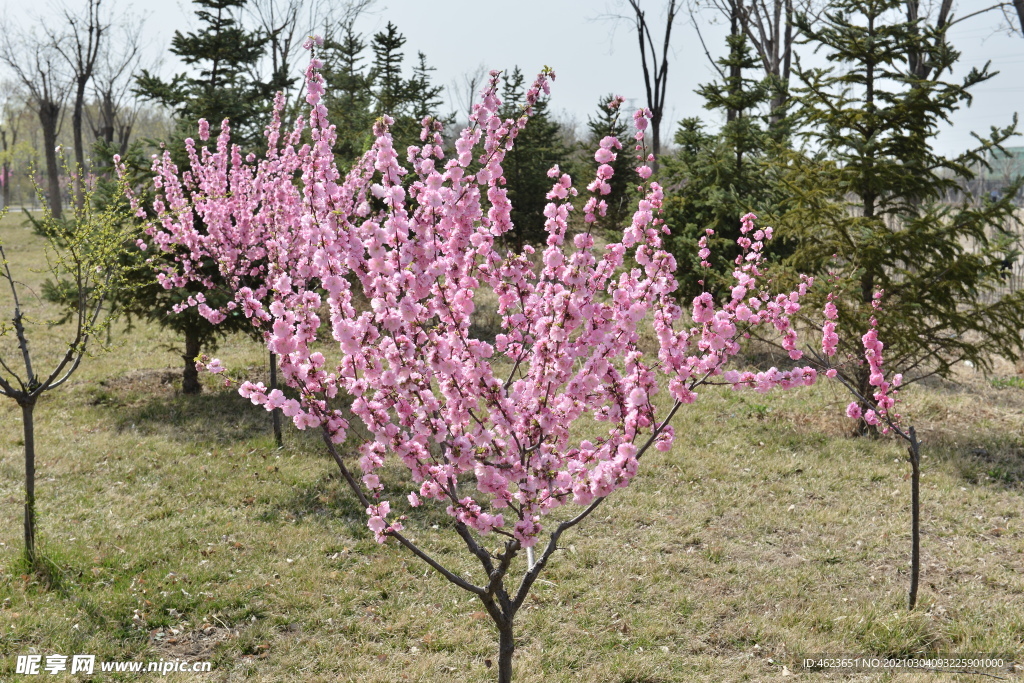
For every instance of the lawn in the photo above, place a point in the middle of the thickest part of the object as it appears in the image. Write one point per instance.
(176, 531)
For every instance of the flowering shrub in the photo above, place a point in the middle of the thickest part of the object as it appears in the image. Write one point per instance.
(483, 429)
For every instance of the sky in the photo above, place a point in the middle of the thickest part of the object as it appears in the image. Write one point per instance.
(591, 54)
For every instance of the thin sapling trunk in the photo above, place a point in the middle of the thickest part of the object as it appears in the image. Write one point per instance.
(914, 455)
(275, 415)
(190, 384)
(27, 414)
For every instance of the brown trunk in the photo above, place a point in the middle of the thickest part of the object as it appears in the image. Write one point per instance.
(106, 131)
(915, 515)
(190, 377)
(27, 408)
(506, 648)
(781, 99)
(48, 116)
(734, 70)
(76, 131)
(6, 170)
(656, 140)
(275, 414)
(7, 184)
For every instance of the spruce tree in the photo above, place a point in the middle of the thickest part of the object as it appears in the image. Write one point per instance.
(609, 121)
(357, 93)
(875, 194)
(537, 148)
(407, 101)
(715, 178)
(224, 56)
(424, 97)
(348, 96)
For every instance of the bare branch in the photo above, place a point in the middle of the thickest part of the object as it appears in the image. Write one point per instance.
(354, 486)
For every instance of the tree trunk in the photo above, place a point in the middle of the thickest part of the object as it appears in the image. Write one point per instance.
(734, 70)
(781, 99)
(190, 377)
(275, 415)
(915, 515)
(76, 131)
(655, 140)
(6, 170)
(506, 648)
(27, 408)
(106, 131)
(76, 125)
(48, 113)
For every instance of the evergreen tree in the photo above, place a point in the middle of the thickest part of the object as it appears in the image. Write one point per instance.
(609, 122)
(537, 148)
(875, 195)
(715, 178)
(224, 55)
(357, 95)
(424, 97)
(349, 96)
(390, 88)
(407, 101)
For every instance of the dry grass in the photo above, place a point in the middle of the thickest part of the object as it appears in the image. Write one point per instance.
(179, 531)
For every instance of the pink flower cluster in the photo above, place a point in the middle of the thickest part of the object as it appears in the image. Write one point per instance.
(882, 400)
(418, 240)
(884, 394)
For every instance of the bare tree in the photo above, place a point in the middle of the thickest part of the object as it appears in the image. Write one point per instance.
(287, 23)
(1013, 13)
(768, 26)
(11, 100)
(113, 82)
(939, 16)
(655, 65)
(80, 44)
(37, 64)
(463, 91)
(1018, 6)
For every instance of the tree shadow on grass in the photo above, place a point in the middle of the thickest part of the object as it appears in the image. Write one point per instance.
(993, 460)
(329, 498)
(212, 418)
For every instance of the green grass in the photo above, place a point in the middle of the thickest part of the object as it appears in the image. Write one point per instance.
(1007, 382)
(174, 529)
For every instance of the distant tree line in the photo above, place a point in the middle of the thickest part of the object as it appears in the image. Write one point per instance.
(839, 159)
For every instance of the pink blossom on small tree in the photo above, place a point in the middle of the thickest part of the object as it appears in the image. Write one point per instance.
(486, 430)
(880, 411)
(235, 214)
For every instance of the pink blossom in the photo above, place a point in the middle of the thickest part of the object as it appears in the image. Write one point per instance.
(419, 236)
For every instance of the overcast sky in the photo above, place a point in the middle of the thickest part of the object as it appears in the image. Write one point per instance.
(591, 54)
